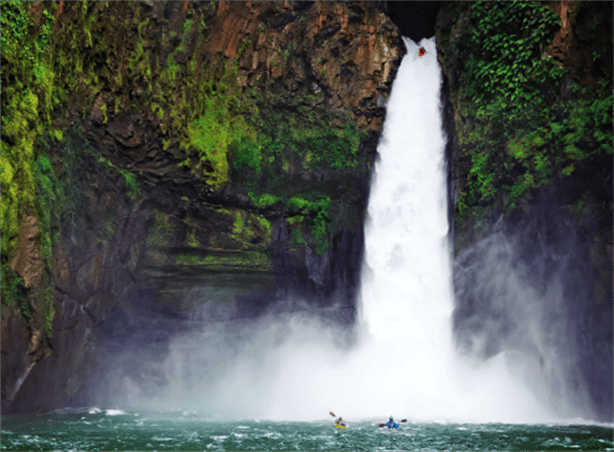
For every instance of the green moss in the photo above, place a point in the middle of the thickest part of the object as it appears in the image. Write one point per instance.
(12, 287)
(252, 137)
(160, 234)
(241, 234)
(191, 239)
(103, 109)
(227, 261)
(319, 232)
(251, 260)
(27, 102)
(132, 185)
(264, 200)
(523, 126)
(265, 227)
(48, 309)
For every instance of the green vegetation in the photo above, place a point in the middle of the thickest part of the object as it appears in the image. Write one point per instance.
(42, 64)
(297, 132)
(264, 200)
(161, 232)
(27, 103)
(61, 61)
(132, 185)
(224, 261)
(11, 286)
(528, 122)
(214, 133)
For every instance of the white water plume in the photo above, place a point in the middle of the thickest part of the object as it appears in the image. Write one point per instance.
(404, 363)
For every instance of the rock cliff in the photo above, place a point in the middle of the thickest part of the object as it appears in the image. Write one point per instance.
(175, 146)
(530, 126)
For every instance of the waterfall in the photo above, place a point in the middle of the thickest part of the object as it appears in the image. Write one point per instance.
(405, 363)
(407, 284)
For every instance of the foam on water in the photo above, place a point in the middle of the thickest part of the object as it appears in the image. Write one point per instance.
(104, 433)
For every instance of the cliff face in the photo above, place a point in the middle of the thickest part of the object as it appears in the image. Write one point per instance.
(178, 145)
(530, 93)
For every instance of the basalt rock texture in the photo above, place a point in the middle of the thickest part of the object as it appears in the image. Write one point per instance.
(94, 263)
(219, 146)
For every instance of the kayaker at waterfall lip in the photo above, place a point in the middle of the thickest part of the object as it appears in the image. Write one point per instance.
(421, 52)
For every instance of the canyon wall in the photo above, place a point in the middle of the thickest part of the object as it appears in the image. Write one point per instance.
(530, 126)
(178, 145)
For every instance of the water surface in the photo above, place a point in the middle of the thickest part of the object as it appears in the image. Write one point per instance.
(94, 429)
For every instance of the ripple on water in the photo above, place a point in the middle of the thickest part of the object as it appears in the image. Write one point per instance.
(161, 438)
(102, 432)
(272, 435)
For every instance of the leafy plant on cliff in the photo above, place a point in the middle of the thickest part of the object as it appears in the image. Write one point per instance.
(499, 86)
(132, 184)
(522, 131)
(217, 132)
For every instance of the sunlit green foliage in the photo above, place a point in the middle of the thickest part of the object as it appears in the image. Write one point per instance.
(216, 132)
(27, 103)
(55, 69)
(264, 200)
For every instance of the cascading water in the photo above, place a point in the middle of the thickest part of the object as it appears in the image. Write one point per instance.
(405, 363)
(407, 285)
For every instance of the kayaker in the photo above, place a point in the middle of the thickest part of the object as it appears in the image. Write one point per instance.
(391, 423)
(421, 52)
(340, 421)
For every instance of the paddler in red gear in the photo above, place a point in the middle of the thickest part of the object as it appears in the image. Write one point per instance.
(421, 52)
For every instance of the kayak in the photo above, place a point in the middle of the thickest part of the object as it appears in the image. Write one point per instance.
(339, 426)
(396, 426)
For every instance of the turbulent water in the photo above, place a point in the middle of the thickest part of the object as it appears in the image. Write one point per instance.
(95, 429)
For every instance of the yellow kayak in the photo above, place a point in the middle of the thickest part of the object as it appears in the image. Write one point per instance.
(339, 426)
